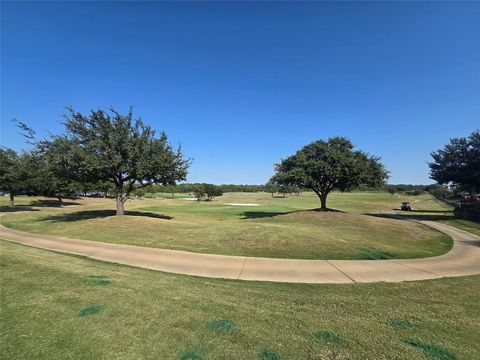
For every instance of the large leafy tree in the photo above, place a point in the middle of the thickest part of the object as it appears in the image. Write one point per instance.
(53, 176)
(323, 166)
(116, 148)
(15, 172)
(458, 163)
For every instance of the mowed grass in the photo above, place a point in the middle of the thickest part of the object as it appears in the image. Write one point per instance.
(467, 225)
(51, 309)
(278, 227)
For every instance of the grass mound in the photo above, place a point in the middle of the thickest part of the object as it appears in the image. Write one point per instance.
(279, 228)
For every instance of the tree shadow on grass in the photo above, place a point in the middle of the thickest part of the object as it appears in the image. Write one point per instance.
(418, 216)
(52, 203)
(16, 208)
(270, 214)
(262, 214)
(425, 211)
(96, 214)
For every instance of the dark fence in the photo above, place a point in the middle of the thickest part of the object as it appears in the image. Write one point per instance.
(468, 209)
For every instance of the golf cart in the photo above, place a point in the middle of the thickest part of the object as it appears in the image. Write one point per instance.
(406, 206)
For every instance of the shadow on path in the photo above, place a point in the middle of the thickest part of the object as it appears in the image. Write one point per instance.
(95, 214)
(471, 242)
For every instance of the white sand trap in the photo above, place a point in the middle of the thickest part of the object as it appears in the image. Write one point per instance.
(241, 204)
(189, 199)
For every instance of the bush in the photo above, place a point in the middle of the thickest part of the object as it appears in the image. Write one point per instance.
(199, 192)
(139, 193)
(212, 191)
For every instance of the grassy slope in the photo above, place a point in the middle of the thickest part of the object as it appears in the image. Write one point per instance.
(467, 225)
(153, 315)
(277, 228)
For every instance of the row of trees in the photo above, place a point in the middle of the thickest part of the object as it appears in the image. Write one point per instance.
(102, 149)
(120, 154)
(323, 166)
(410, 189)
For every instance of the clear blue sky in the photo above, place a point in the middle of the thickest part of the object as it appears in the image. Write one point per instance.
(242, 85)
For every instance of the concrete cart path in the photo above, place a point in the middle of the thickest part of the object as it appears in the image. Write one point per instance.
(463, 259)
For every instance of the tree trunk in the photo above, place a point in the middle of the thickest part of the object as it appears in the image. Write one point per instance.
(60, 201)
(12, 198)
(323, 202)
(120, 205)
(272, 194)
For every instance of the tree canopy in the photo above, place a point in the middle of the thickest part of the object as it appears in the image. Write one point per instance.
(458, 163)
(15, 172)
(207, 191)
(323, 166)
(110, 147)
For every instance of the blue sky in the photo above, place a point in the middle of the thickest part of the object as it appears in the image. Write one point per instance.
(242, 85)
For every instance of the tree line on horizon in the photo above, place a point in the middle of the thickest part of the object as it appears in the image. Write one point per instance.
(119, 155)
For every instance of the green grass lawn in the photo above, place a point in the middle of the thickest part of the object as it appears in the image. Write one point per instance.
(277, 227)
(55, 306)
(467, 225)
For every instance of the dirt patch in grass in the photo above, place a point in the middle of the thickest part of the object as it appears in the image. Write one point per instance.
(434, 351)
(91, 310)
(402, 324)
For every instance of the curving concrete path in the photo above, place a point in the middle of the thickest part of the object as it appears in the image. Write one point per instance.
(463, 259)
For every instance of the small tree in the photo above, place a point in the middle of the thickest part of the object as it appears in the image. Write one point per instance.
(271, 188)
(15, 174)
(199, 192)
(171, 189)
(212, 190)
(140, 193)
(54, 177)
(296, 190)
(391, 189)
(458, 163)
(323, 166)
(115, 148)
(284, 189)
